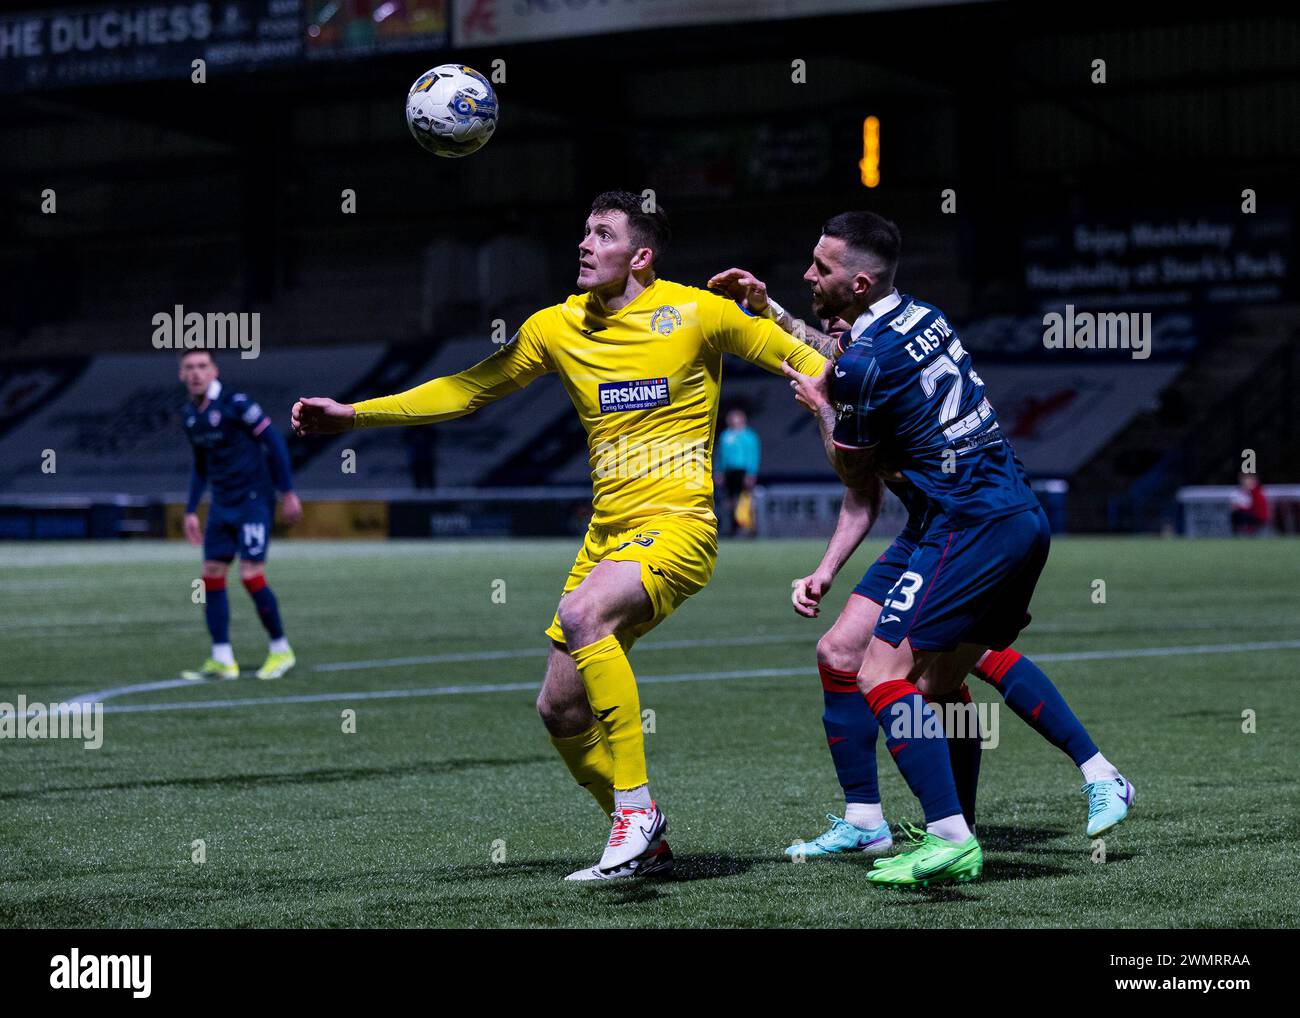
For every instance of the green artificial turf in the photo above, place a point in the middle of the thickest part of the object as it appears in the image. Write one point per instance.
(452, 809)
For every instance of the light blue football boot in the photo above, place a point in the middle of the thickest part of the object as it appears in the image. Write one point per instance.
(1108, 803)
(841, 838)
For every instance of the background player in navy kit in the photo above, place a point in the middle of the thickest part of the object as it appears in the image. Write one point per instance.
(904, 393)
(240, 453)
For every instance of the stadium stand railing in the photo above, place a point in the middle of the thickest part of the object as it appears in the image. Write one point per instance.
(1206, 510)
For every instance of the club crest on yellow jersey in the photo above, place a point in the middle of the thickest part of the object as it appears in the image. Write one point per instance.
(665, 319)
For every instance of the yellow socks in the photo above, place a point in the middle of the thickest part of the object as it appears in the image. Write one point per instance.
(589, 761)
(611, 690)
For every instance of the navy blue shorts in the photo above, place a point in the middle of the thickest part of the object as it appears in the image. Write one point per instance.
(971, 585)
(244, 530)
(880, 578)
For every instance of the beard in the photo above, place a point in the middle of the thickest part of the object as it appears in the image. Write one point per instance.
(826, 307)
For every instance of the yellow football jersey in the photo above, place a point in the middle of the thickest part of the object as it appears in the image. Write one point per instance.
(644, 379)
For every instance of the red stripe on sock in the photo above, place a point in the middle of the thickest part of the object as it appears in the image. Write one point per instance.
(836, 681)
(211, 583)
(996, 664)
(882, 695)
(255, 583)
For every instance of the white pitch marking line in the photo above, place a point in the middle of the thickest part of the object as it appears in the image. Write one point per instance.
(502, 655)
(139, 687)
(755, 673)
(433, 659)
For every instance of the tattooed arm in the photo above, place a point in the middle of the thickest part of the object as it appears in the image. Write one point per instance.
(857, 468)
(750, 292)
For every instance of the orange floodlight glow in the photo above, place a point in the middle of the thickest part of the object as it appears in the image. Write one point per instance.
(870, 163)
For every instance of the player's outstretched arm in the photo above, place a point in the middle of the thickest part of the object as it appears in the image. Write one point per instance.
(750, 292)
(745, 288)
(761, 342)
(827, 346)
(318, 415)
(508, 370)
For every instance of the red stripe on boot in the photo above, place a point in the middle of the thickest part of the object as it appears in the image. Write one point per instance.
(882, 695)
(836, 681)
(255, 583)
(211, 583)
(996, 664)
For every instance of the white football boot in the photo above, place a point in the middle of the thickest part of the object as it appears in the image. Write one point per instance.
(657, 862)
(635, 838)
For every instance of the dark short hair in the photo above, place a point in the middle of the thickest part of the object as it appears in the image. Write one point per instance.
(868, 233)
(185, 353)
(648, 229)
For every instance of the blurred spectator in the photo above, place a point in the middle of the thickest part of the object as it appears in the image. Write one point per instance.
(738, 457)
(1249, 506)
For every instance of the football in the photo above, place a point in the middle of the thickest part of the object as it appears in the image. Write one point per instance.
(451, 110)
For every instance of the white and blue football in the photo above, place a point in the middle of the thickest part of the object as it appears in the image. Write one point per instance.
(451, 110)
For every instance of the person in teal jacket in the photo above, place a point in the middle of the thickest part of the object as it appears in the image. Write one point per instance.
(739, 451)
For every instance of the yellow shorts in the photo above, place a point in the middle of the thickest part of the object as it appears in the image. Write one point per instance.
(677, 555)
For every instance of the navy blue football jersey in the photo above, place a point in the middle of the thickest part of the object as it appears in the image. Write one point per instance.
(920, 510)
(227, 451)
(906, 388)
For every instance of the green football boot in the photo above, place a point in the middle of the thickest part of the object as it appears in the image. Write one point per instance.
(910, 839)
(276, 665)
(932, 861)
(213, 669)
